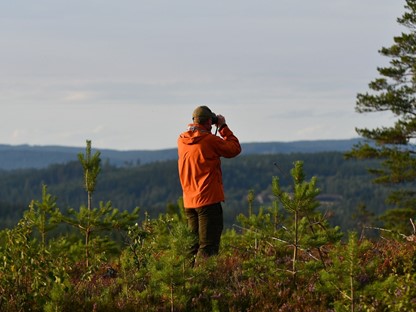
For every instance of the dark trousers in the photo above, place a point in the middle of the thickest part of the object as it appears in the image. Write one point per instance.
(207, 225)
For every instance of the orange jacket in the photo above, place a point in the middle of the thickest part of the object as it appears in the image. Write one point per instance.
(199, 164)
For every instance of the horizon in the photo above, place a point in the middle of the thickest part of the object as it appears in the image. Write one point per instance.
(166, 148)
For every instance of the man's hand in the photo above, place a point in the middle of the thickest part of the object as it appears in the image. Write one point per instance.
(221, 121)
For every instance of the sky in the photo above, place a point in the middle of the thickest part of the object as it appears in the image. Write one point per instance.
(127, 74)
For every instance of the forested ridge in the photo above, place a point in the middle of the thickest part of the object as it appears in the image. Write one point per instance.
(344, 185)
(28, 156)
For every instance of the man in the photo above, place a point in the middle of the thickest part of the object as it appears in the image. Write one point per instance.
(200, 175)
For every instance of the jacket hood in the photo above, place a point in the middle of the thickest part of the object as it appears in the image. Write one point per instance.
(194, 134)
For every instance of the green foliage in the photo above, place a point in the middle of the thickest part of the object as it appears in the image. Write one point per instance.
(43, 216)
(91, 165)
(341, 278)
(28, 272)
(90, 220)
(152, 272)
(308, 229)
(393, 286)
(98, 221)
(36, 263)
(394, 92)
(158, 255)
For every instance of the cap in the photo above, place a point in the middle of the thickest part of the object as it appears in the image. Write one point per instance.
(201, 114)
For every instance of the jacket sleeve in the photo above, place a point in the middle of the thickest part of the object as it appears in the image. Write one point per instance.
(228, 146)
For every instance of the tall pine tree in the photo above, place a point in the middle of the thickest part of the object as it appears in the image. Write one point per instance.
(394, 92)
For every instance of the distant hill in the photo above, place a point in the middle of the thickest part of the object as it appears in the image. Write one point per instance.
(299, 146)
(28, 156)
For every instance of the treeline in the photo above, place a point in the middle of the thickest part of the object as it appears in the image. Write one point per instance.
(345, 186)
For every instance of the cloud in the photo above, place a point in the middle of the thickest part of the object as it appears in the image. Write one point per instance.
(98, 129)
(310, 131)
(77, 97)
(17, 134)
